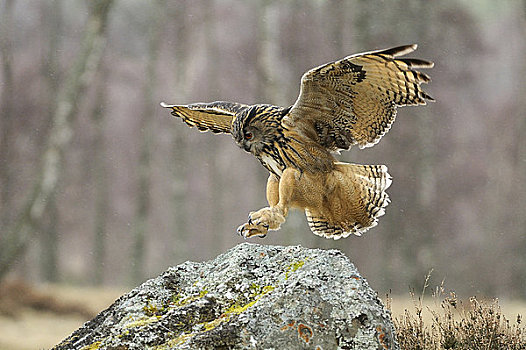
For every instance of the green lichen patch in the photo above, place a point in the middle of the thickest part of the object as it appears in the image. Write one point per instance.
(181, 300)
(293, 267)
(93, 346)
(195, 322)
(236, 308)
(172, 343)
(151, 309)
(142, 321)
(255, 296)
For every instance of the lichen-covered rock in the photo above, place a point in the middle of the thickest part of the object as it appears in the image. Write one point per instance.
(251, 297)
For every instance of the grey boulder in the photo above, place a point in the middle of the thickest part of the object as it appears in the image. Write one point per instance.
(251, 297)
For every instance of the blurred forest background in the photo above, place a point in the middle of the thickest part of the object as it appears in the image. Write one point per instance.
(100, 186)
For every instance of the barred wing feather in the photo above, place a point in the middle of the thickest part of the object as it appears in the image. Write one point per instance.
(353, 101)
(215, 116)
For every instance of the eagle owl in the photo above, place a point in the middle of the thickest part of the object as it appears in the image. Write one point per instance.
(344, 103)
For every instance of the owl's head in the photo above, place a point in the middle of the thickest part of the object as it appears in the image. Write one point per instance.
(256, 127)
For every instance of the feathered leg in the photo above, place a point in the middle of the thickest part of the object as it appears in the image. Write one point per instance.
(279, 195)
(346, 200)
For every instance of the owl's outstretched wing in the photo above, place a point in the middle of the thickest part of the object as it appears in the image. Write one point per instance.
(215, 116)
(353, 101)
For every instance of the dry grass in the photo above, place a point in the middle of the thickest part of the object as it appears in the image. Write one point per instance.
(453, 324)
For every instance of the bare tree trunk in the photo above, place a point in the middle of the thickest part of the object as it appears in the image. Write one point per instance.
(6, 112)
(101, 181)
(52, 19)
(179, 149)
(336, 11)
(427, 162)
(16, 237)
(215, 173)
(363, 18)
(268, 81)
(49, 240)
(143, 199)
(521, 172)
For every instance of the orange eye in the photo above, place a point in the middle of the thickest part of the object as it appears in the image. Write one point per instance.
(248, 136)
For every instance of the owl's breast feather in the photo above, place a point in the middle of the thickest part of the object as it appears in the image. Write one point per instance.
(271, 164)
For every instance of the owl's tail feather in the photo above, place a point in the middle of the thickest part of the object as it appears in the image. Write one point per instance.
(357, 201)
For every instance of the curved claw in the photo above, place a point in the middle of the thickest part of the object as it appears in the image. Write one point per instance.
(249, 230)
(240, 230)
(259, 222)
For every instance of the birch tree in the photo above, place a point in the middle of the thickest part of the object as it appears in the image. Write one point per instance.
(16, 237)
(142, 210)
(6, 101)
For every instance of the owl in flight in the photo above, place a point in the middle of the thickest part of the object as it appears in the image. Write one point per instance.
(341, 104)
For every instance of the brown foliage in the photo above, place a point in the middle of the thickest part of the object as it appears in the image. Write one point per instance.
(16, 295)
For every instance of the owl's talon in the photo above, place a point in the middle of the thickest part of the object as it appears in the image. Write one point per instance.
(240, 230)
(259, 222)
(250, 230)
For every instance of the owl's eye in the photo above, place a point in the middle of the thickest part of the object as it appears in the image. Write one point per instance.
(248, 136)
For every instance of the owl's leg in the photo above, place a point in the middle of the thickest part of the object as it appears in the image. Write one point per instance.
(272, 190)
(279, 195)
